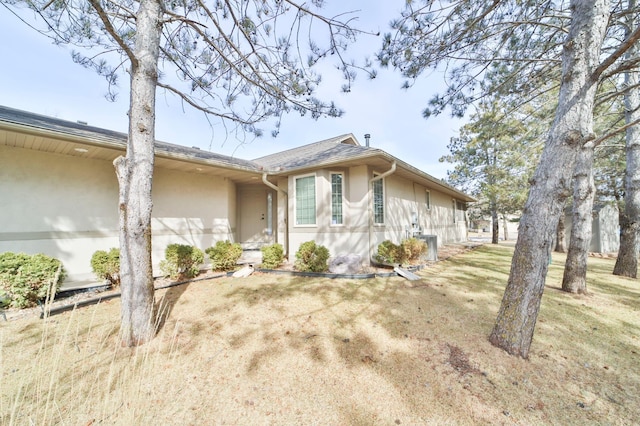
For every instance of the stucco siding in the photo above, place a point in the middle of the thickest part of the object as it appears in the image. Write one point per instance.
(605, 229)
(352, 236)
(404, 201)
(58, 205)
(441, 220)
(67, 207)
(189, 208)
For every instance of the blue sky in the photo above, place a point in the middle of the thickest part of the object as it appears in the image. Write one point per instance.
(40, 77)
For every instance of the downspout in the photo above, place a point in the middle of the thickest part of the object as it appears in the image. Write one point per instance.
(391, 171)
(286, 219)
(272, 186)
(373, 179)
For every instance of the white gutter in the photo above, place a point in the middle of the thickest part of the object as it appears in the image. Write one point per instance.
(375, 178)
(285, 243)
(272, 186)
(385, 174)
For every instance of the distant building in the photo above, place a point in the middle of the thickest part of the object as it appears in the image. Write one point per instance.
(605, 228)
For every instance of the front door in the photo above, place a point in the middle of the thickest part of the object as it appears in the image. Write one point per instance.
(255, 221)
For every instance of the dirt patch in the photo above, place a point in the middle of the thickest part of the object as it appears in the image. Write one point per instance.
(459, 360)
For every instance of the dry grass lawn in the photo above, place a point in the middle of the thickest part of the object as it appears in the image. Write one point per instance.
(274, 349)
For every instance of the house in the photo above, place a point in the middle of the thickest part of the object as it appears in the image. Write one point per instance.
(605, 228)
(60, 195)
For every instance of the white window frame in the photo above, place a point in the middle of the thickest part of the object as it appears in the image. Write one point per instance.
(295, 206)
(427, 201)
(373, 207)
(341, 174)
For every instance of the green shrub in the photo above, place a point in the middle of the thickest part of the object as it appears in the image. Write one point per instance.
(224, 255)
(106, 265)
(388, 252)
(272, 256)
(409, 251)
(413, 249)
(5, 300)
(311, 257)
(181, 261)
(26, 279)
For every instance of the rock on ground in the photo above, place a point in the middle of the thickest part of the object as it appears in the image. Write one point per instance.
(345, 264)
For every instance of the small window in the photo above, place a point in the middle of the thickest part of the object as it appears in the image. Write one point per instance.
(427, 200)
(336, 198)
(378, 201)
(455, 215)
(459, 209)
(306, 200)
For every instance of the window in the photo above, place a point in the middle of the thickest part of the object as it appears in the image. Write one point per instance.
(306, 200)
(427, 200)
(378, 201)
(336, 198)
(459, 209)
(455, 214)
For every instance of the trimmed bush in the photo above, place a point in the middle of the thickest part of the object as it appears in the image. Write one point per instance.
(414, 249)
(311, 257)
(26, 279)
(388, 252)
(409, 251)
(224, 255)
(5, 300)
(181, 261)
(272, 256)
(106, 265)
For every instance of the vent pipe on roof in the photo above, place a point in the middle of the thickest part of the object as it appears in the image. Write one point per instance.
(367, 136)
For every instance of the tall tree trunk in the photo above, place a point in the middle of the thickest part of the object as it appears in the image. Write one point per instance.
(505, 228)
(575, 268)
(627, 261)
(135, 175)
(561, 234)
(550, 185)
(495, 231)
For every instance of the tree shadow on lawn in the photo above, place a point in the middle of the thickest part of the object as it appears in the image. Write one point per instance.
(398, 329)
(384, 323)
(167, 303)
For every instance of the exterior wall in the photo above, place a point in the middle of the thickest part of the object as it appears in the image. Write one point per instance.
(350, 237)
(190, 208)
(605, 229)
(404, 200)
(608, 230)
(281, 201)
(66, 207)
(439, 220)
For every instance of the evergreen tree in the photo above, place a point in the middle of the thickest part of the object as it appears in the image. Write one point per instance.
(468, 38)
(239, 61)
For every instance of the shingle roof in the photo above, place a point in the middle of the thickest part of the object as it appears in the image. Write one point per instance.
(335, 149)
(81, 130)
(330, 151)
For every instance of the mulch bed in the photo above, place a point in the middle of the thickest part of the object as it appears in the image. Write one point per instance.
(93, 295)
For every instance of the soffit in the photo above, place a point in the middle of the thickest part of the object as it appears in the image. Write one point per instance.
(108, 150)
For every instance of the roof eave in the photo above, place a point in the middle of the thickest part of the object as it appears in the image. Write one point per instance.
(119, 145)
(381, 154)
